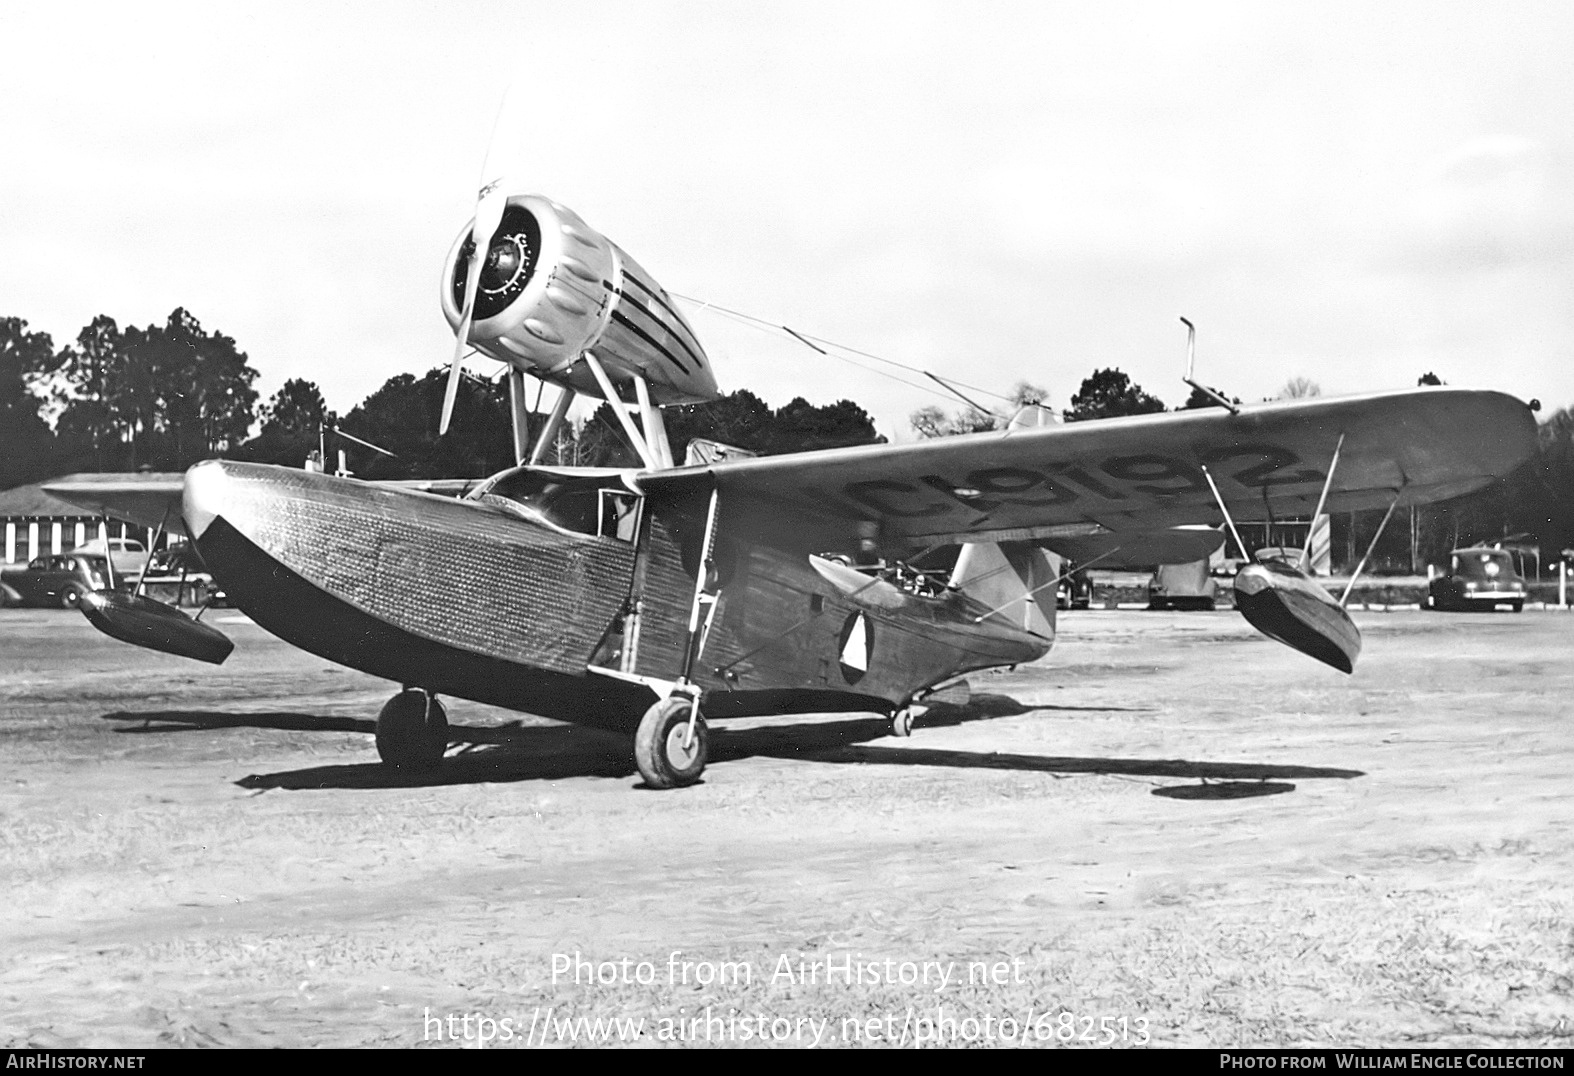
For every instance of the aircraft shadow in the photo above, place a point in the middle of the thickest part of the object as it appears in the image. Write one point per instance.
(1131, 767)
(514, 752)
(507, 752)
(167, 721)
(1224, 790)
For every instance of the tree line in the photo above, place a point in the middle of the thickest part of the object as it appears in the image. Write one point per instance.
(166, 396)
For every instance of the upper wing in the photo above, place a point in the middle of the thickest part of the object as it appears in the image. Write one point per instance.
(1122, 475)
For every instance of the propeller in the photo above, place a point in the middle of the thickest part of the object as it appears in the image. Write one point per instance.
(491, 200)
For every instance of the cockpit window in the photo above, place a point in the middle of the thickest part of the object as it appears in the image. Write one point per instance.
(599, 504)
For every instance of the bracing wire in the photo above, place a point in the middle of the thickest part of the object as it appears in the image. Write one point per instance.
(840, 351)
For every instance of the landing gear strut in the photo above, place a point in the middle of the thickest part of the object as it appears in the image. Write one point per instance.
(412, 731)
(668, 752)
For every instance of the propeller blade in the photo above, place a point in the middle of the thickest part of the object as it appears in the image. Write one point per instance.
(461, 341)
(491, 201)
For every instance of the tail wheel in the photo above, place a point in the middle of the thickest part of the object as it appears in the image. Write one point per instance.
(902, 722)
(666, 754)
(412, 731)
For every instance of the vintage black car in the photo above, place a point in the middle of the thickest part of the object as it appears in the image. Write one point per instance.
(1479, 577)
(1075, 591)
(59, 579)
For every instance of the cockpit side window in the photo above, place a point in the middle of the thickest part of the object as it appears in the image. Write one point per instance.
(619, 515)
(600, 505)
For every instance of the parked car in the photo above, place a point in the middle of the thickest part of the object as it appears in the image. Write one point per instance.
(1075, 591)
(1182, 586)
(1478, 577)
(128, 555)
(178, 576)
(59, 579)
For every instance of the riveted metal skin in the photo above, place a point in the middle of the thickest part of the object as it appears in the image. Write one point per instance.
(459, 573)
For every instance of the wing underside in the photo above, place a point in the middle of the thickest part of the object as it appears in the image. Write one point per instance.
(1117, 476)
(145, 499)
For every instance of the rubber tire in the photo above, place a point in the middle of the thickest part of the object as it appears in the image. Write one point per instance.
(71, 597)
(902, 723)
(1519, 607)
(412, 732)
(658, 745)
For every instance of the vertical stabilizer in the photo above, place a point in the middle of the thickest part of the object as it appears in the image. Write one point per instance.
(1014, 578)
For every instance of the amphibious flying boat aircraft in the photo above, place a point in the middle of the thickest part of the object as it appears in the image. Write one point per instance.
(655, 599)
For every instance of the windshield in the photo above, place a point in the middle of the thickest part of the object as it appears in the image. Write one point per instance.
(1484, 564)
(599, 504)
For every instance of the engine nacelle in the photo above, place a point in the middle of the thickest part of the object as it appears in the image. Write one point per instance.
(553, 288)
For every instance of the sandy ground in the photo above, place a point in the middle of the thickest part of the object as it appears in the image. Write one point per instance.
(1170, 831)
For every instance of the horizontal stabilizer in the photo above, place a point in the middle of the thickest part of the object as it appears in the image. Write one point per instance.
(141, 621)
(1285, 604)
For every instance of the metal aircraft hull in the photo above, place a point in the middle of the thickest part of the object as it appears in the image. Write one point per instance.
(305, 614)
(475, 601)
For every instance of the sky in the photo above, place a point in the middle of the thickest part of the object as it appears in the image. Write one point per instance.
(996, 192)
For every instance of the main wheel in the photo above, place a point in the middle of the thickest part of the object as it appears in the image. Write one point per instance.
(664, 758)
(412, 731)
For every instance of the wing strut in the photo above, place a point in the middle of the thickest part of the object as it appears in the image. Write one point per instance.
(650, 419)
(519, 412)
(646, 453)
(1227, 518)
(147, 564)
(1365, 556)
(706, 591)
(554, 423)
(109, 561)
(1306, 553)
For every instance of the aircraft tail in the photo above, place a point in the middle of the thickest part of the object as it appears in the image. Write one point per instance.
(1014, 579)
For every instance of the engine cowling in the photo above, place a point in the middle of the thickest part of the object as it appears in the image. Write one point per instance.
(553, 288)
